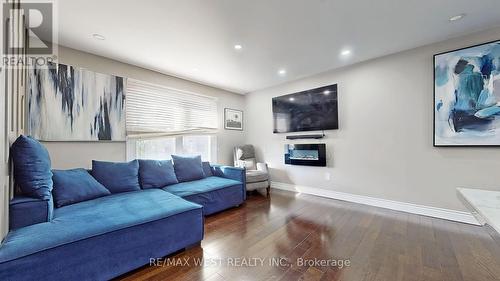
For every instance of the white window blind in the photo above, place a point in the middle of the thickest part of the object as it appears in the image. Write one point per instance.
(154, 110)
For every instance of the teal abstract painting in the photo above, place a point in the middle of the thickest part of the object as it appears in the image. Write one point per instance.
(467, 96)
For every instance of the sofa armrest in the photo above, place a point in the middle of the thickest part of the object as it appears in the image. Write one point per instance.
(229, 172)
(262, 167)
(233, 173)
(24, 211)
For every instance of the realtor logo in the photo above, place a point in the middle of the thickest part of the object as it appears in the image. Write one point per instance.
(29, 28)
(29, 34)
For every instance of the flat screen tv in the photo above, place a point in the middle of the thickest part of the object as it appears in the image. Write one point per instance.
(311, 110)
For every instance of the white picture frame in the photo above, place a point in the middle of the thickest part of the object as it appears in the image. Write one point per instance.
(233, 119)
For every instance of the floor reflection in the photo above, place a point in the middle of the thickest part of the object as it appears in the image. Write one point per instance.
(379, 244)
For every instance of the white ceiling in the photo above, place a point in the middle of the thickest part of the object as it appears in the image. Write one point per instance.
(194, 39)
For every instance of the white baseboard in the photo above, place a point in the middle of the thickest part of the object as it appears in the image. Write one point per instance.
(434, 212)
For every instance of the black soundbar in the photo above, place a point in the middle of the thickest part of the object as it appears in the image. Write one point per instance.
(296, 137)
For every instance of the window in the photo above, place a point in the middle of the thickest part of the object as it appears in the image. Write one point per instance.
(202, 145)
(158, 149)
(162, 148)
(162, 121)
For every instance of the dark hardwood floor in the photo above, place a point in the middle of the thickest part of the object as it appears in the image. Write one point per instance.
(380, 244)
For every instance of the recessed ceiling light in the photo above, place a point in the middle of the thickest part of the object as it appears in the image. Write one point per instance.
(282, 72)
(457, 17)
(291, 99)
(238, 47)
(326, 92)
(345, 52)
(98, 36)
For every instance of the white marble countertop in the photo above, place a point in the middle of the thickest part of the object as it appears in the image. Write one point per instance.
(484, 205)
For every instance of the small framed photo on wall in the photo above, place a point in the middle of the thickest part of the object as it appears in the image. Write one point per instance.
(233, 119)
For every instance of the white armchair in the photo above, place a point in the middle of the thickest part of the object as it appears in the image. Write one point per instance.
(257, 174)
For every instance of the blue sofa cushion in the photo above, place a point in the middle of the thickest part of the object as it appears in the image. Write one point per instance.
(32, 167)
(117, 177)
(87, 219)
(156, 173)
(184, 189)
(188, 168)
(207, 169)
(76, 185)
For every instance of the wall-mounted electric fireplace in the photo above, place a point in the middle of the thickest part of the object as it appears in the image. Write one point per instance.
(313, 154)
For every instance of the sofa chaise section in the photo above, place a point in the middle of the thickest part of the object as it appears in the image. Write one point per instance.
(102, 238)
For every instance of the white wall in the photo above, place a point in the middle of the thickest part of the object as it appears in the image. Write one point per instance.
(384, 146)
(80, 154)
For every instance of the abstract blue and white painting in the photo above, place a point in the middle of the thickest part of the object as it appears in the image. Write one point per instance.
(467, 96)
(66, 103)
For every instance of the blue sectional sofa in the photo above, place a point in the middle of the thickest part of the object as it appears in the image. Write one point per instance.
(105, 237)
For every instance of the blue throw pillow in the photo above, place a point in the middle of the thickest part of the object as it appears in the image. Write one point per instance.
(73, 186)
(32, 167)
(188, 168)
(207, 169)
(156, 173)
(117, 177)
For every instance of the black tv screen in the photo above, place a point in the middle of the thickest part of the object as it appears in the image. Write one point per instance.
(311, 110)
